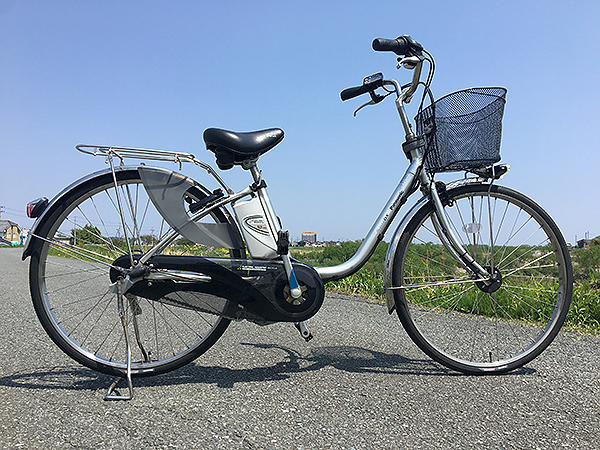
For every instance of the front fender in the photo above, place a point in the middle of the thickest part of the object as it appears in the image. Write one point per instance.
(395, 242)
(388, 286)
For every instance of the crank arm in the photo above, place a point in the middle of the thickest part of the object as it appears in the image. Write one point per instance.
(304, 331)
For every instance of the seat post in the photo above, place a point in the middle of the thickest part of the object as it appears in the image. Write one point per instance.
(261, 190)
(250, 165)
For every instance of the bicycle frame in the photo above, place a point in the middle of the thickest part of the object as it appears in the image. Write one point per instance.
(400, 195)
(405, 188)
(414, 175)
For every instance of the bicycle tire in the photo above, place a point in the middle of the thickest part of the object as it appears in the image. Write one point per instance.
(70, 284)
(464, 324)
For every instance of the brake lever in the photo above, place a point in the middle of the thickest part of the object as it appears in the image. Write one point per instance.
(375, 98)
(370, 102)
(410, 62)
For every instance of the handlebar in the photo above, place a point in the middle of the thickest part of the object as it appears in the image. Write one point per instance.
(411, 57)
(401, 46)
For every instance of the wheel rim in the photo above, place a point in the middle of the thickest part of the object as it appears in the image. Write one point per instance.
(76, 298)
(452, 316)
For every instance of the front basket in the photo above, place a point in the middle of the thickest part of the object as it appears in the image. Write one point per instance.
(463, 129)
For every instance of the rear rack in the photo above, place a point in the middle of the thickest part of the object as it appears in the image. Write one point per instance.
(148, 154)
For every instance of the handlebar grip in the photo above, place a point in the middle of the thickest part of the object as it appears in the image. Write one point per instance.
(397, 46)
(352, 92)
(403, 45)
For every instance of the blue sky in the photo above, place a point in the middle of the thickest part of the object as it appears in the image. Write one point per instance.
(155, 74)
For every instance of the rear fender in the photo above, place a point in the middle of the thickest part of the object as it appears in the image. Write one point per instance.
(158, 183)
(57, 205)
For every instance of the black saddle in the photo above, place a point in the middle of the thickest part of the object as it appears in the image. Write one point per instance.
(234, 148)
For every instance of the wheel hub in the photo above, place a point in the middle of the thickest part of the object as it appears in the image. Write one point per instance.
(494, 283)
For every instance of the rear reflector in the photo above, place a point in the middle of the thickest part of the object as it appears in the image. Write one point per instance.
(36, 207)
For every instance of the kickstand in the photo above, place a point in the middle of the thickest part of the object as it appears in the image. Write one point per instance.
(110, 394)
(113, 388)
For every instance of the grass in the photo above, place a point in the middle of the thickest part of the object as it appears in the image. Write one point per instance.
(99, 251)
(367, 282)
(584, 312)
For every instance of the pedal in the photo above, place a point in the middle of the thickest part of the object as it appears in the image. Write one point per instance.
(304, 331)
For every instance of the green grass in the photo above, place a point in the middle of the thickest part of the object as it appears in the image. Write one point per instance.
(585, 304)
(584, 312)
(104, 252)
(367, 282)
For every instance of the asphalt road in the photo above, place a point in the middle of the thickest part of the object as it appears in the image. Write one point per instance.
(360, 383)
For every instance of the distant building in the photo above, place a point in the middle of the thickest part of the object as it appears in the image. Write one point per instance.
(10, 231)
(23, 236)
(309, 236)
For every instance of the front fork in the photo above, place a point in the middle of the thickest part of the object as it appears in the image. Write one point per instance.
(444, 231)
(414, 147)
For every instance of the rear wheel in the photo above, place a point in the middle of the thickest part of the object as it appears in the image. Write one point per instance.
(464, 323)
(73, 265)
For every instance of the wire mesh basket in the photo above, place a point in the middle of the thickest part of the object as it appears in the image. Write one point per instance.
(463, 129)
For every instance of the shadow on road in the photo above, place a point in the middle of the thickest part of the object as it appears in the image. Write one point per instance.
(344, 358)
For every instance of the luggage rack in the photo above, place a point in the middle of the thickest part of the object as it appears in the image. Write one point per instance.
(148, 154)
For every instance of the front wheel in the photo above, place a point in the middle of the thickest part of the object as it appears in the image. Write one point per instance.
(462, 322)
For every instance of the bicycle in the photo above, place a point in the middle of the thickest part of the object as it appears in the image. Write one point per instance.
(138, 270)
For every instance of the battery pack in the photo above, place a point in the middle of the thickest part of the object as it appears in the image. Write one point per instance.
(259, 239)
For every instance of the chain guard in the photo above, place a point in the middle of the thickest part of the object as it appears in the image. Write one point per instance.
(248, 289)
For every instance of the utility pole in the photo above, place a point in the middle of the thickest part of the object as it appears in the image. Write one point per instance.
(1, 211)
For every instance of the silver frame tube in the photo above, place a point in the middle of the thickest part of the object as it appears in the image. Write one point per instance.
(405, 188)
(379, 228)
